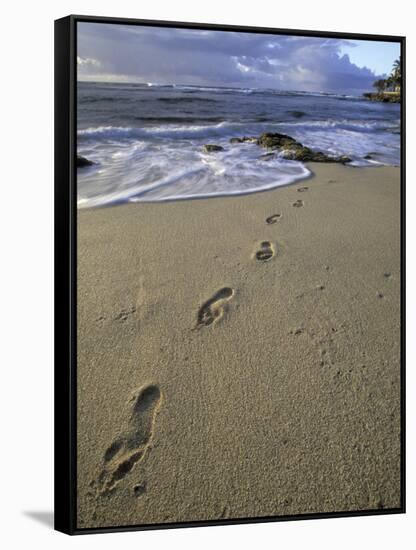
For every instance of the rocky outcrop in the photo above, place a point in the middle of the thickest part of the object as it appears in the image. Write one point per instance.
(291, 149)
(275, 141)
(288, 148)
(304, 154)
(82, 162)
(211, 148)
(384, 97)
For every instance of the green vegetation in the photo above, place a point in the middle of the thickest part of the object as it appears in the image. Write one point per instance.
(388, 89)
(393, 82)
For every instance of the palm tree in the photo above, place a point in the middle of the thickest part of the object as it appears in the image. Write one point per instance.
(396, 74)
(397, 69)
(390, 84)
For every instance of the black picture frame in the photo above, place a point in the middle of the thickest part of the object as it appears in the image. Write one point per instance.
(66, 269)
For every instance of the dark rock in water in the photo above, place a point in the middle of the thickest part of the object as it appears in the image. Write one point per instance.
(210, 148)
(287, 147)
(368, 157)
(297, 114)
(82, 162)
(268, 156)
(291, 149)
(298, 152)
(243, 139)
(275, 141)
(344, 159)
(304, 154)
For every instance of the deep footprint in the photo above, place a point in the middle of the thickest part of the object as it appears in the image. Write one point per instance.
(130, 446)
(273, 219)
(213, 309)
(266, 252)
(302, 189)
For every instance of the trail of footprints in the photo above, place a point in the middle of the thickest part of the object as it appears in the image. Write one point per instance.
(130, 446)
(132, 443)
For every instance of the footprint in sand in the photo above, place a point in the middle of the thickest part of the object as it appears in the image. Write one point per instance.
(124, 314)
(213, 309)
(266, 252)
(273, 219)
(302, 189)
(130, 446)
(139, 489)
(298, 203)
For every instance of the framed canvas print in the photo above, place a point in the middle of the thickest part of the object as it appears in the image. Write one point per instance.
(229, 274)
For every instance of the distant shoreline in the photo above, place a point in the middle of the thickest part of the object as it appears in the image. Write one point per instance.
(384, 97)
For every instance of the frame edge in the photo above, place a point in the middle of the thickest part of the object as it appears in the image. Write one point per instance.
(64, 494)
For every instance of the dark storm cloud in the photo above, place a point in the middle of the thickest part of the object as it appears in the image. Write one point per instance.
(183, 56)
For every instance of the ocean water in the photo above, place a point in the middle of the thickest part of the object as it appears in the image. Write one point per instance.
(147, 140)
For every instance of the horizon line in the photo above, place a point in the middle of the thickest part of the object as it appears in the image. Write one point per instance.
(156, 85)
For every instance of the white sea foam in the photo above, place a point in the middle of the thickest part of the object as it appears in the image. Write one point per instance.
(150, 174)
(150, 164)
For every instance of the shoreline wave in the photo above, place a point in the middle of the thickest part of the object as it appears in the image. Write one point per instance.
(148, 195)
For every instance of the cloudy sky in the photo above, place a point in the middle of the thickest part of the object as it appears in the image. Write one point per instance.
(128, 53)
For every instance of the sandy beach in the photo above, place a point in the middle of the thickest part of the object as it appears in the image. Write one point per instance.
(240, 356)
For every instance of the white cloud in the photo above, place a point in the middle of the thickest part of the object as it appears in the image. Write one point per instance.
(187, 56)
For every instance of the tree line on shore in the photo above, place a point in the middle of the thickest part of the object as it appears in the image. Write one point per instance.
(392, 82)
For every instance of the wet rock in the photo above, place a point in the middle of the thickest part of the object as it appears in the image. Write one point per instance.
(344, 159)
(249, 139)
(291, 149)
(82, 162)
(275, 141)
(287, 147)
(268, 156)
(298, 152)
(211, 148)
